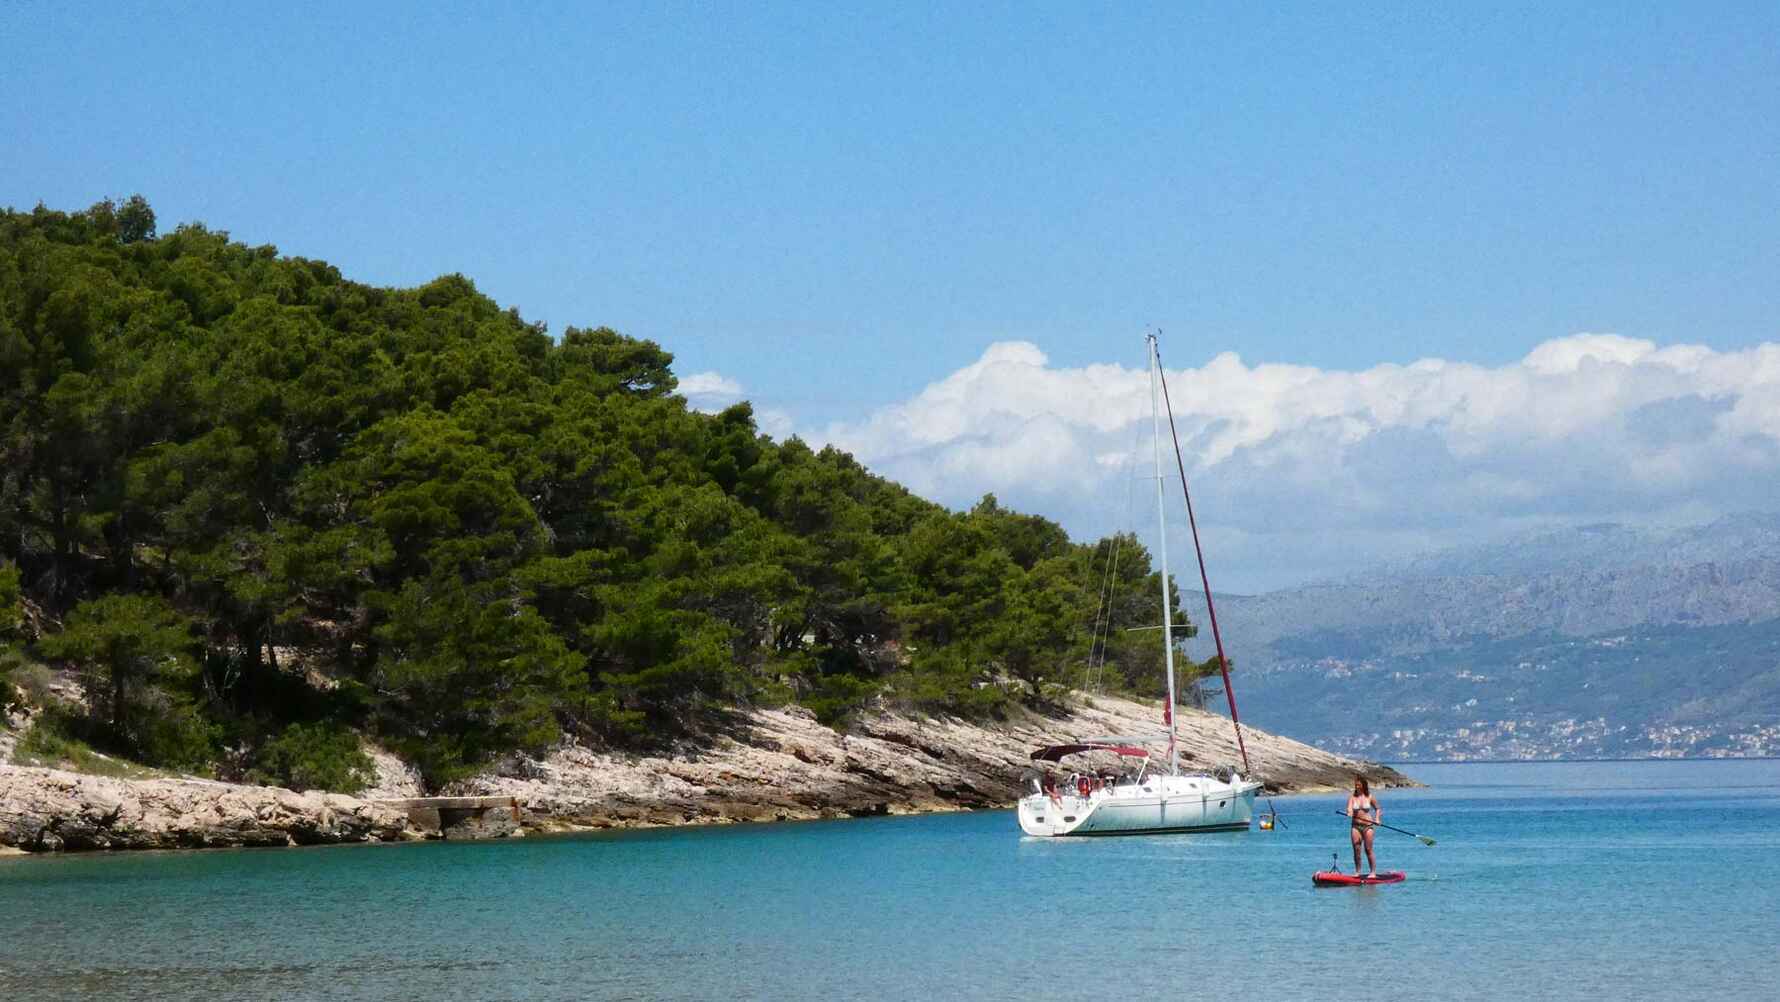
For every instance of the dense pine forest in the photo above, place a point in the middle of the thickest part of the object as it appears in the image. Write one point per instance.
(260, 511)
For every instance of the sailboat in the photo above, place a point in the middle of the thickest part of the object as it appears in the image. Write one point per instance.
(1148, 801)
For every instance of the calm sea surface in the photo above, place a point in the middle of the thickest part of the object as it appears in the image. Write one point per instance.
(1649, 880)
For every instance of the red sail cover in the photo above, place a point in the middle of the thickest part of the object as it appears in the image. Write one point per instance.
(1052, 753)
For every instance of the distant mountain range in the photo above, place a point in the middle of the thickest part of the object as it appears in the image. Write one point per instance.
(1597, 641)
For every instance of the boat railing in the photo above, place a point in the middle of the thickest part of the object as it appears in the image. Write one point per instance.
(1081, 785)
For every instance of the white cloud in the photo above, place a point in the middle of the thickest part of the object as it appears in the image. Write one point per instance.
(1291, 465)
(701, 387)
(711, 392)
(774, 422)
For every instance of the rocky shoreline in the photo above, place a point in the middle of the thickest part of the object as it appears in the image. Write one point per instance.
(780, 765)
(46, 810)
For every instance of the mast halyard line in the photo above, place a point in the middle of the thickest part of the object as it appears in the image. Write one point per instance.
(1162, 547)
(1211, 610)
(1111, 582)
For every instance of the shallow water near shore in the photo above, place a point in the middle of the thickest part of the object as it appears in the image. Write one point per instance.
(1611, 879)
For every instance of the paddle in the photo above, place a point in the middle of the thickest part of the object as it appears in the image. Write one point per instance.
(1424, 839)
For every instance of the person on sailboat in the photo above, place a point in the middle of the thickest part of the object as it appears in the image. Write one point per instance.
(1363, 808)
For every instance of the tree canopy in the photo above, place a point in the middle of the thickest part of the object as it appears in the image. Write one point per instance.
(270, 506)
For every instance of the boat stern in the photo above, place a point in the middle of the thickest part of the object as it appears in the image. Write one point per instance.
(1042, 816)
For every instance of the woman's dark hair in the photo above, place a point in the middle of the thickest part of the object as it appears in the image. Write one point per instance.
(1365, 787)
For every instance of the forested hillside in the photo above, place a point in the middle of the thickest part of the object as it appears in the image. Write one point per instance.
(261, 510)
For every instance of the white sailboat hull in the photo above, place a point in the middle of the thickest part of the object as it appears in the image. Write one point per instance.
(1159, 804)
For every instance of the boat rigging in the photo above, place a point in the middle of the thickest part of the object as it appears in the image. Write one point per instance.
(1147, 803)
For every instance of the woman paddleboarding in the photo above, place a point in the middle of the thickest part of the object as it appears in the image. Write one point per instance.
(1363, 808)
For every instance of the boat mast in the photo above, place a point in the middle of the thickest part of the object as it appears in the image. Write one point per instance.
(1211, 610)
(1162, 548)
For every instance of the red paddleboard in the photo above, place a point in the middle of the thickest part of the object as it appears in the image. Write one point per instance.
(1330, 878)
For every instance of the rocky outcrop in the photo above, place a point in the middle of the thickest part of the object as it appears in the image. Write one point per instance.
(783, 765)
(391, 778)
(778, 765)
(49, 809)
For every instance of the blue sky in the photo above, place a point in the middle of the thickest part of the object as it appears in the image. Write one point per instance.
(836, 208)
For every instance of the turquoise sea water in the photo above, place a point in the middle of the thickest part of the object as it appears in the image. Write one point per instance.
(1648, 880)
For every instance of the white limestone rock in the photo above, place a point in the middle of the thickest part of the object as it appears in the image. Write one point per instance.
(49, 809)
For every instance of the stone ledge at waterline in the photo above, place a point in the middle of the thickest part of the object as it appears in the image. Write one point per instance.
(48, 809)
(782, 765)
(785, 766)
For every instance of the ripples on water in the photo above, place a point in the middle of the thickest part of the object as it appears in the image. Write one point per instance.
(1582, 880)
